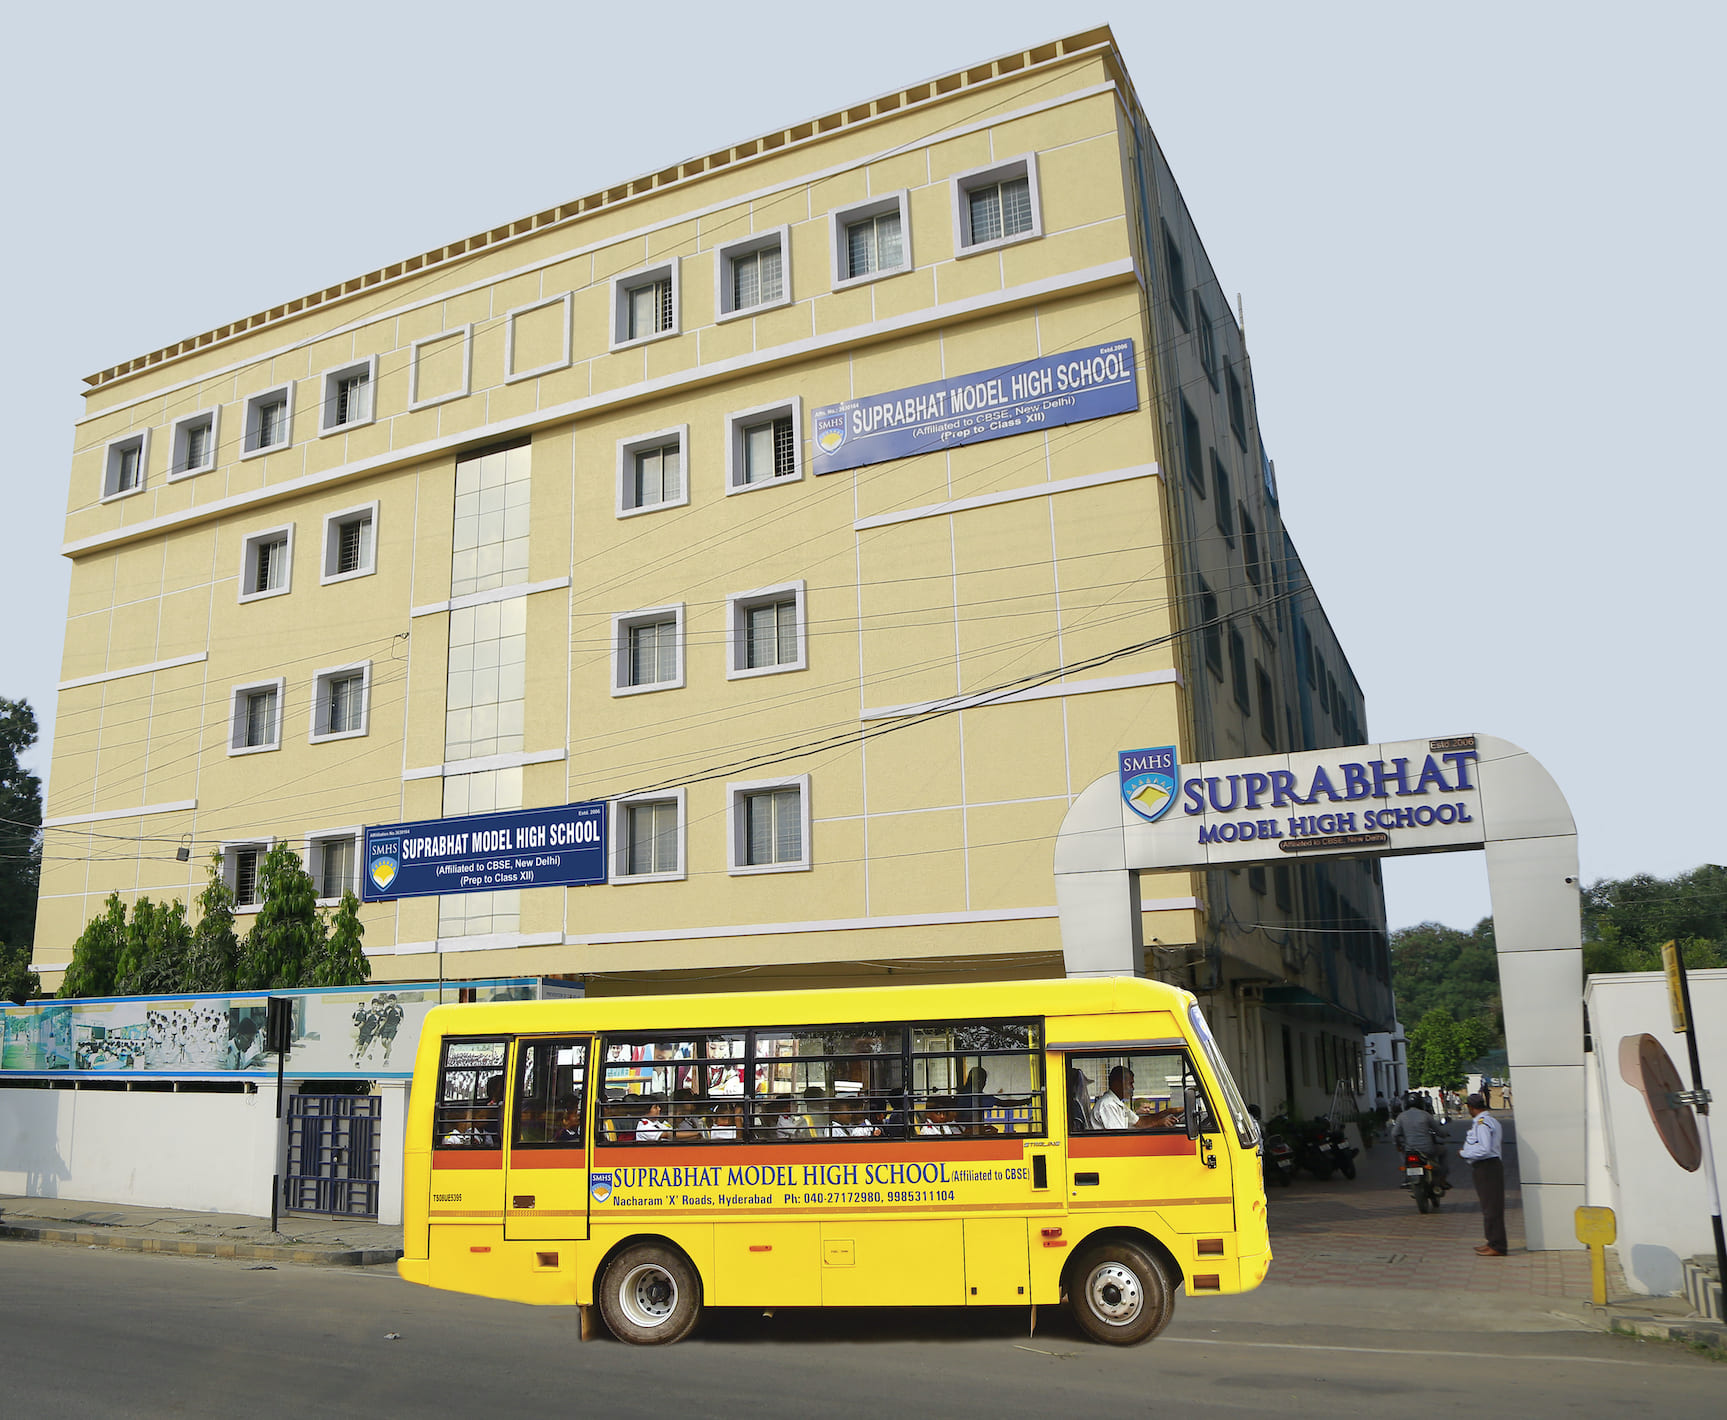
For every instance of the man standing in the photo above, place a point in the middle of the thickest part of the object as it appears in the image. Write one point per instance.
(1482, 1149)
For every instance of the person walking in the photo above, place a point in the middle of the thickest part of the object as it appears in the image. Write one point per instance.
(1483, 1149)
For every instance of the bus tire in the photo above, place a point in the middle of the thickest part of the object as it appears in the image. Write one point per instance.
(1120, 1294)
(650, 1295)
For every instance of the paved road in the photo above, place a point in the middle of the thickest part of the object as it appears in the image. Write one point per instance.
(120, 1335)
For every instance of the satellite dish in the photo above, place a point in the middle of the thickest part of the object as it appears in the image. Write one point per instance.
(1645, 1065)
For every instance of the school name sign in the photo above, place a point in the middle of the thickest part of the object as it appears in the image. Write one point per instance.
(1411, 796)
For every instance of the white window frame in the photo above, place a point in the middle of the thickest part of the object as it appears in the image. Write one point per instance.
(320, 683)
(511, 373)
(249, 563)
(617, 869)
(737, 421)
(332, 544)
(314, 857)
(735, 795)
(961, 184)
(629, 281)
(328, 383)
(113, 452)
(414, 400)
(646, 616)
(741, 602)
(724, 310)
(230, 847)
(236, 695)
(249, 446)
(628, 449)
(180, 434)
(843, 217)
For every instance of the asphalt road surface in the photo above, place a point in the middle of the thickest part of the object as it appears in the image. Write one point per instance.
(97, 1333)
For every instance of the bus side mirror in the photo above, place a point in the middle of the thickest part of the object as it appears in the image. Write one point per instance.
(1190, 1111)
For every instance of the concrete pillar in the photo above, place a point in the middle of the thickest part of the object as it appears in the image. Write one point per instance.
(392, 1136)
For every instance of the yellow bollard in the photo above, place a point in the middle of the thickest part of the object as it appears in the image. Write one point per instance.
(1596, 1228)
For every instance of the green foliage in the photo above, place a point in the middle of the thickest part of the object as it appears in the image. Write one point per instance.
(341, 962)
(20, 829)
(287, 935)
(1625, 920)
(1475, 1037)
(154, 952)
(95, 966)
(213, 963)
(17, 982)
(1438, 967)
(1436, 1051)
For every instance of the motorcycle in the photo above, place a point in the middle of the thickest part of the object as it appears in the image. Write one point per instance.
(1315, 1152)
(1421, 1178)
(1342, 1151)
(1279, 1160)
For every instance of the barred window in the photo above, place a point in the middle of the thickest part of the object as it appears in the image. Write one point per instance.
(469, 1113)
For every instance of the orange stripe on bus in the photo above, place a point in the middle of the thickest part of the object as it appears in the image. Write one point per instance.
(899, 1151)
(1129, 1146)
(467, 1158)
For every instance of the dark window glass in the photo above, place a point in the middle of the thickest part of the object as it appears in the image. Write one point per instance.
(1176, 269)
(1237, 408)
(1190, 445)
(1280, 885)
(1238, 670)
(551, 1076)
(1267, 709)
(1210, 630)
(1207, 339)
(469, 1113)
(1256, 880)
(1250, 545)
(1225, 503)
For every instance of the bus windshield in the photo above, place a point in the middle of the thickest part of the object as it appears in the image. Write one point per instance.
(1246, 1128)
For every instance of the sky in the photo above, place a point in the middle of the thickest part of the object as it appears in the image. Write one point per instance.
(1477, 248)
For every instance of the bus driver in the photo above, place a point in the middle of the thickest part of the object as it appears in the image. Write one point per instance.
(1114, 1108)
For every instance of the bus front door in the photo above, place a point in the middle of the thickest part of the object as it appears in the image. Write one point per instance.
(546, 1154)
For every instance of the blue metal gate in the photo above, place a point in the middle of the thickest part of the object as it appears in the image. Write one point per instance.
(333, 1143)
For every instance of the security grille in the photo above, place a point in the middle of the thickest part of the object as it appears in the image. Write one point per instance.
(333, 1148)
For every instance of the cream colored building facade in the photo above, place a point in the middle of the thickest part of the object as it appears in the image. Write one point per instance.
(532, 518)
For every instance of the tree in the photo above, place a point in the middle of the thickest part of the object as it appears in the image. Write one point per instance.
(1475, 1037)
(17, 982)
(95, 966)
(287, 935)
(154, 950)
(1435, 966)
(1435, 1051)
(341, 962)
(213, 961)
(20, 831)
(1625, 920)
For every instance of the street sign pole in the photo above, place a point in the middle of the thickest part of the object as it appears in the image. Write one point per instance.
(1698, 1099)
(278, 1036)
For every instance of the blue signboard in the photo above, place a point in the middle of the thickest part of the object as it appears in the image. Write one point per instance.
(968, 409)
(512, 848)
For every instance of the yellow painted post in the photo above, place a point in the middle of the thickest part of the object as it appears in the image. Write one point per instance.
(1596, 1228)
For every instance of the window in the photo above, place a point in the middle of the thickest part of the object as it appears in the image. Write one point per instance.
(350, 544)
(996, 205)
(648, 650)
(1207, 339)
(255, 718)
(340, 702)
(1223, 498)
(1175, 268)
(763, 447)
(1238, 670)
(269, 421)
(648, 838)
(241, 870)
(1210, 630)
(550, 1086)
(1139, 1090)
(768, 827)
(267, 564)
(1256, 879)
(753, 274)
(1280, 885)
(123, 464)
(1237, 406)
(1324, 693)
(767, 631)
(871, 240)
(645, 304)
(469, 1112)
(348, 396)
(489, 548)
(1250, 545)
(787, 1085)
(652, 472)
(1191, 443)
(485, 694)
(1267, 707)
(331, 859)
(193, 443)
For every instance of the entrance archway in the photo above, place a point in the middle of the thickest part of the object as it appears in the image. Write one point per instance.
(1443, 795)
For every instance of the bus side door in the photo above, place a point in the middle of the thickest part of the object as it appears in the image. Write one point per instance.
(466, 1208)
(546, 1153)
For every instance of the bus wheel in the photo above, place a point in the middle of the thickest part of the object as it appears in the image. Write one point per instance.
(650, 1296)
(1120, 1294)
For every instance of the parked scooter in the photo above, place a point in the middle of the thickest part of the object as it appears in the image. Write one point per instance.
(1279, 1160)
(1342, 1151)
(1315, 1152)
(1421, 1178)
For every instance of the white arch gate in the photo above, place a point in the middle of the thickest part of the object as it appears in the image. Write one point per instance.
(1415, 796)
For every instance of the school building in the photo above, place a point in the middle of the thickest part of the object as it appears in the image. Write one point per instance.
(833, 507)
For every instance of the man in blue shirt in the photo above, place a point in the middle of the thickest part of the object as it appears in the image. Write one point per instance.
(1483, 1149)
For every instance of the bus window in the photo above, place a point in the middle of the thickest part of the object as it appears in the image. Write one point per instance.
(1133, 1090)
(549, 1081)
(825, 1082)
(977, 1078)
(469, 1112)
(666, 1089)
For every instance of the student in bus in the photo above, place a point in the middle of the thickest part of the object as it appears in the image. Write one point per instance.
(685, 1115)
(852, 1121)
(568, 1121)
(938, 1117)
(725, 1122)
(620, 1118)
(652, 1127)
(816, 1113)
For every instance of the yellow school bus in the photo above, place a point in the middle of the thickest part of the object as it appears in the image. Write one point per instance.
(1002, 1144)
